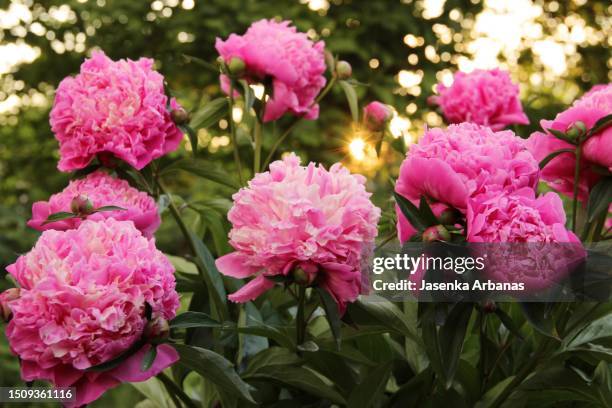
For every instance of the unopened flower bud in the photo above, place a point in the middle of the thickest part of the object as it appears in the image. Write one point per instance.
(236, 66)
(576, 130)
(344, 70)
(5, 297)
(81, 205)
(179, 116)
(489, 306)
(305, 274)
(450, 216)
(436, 233)
(157, 328)
(376, 115)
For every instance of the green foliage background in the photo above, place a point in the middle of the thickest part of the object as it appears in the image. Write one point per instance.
(356, 30)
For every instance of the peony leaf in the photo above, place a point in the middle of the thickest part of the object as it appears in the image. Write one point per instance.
(193, 138)
(332, 314)
(508, 323)
(149, 358)
(351, 97)
(426, 212)
(601, 124)
(451, 338)
(58, 216)
(209, 114)
(109, 208)
(562, 135)
(600, 198)
(193, 319)
(202, 169)
(411, 212)
(367, 393)
(552, 155)
(539, 316)
(215, 368)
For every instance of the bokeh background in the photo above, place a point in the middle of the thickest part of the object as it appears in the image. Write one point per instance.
(399, 50)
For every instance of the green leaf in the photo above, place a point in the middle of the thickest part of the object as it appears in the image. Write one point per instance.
(602, 378)
(451, 337)
(540, 318)
(332, 314)
(209, 114)
(601, 124)
(215, 368)
(272, 356)
(149, 358)
(212, 220)
(204, 64)
(202, 169)
(115, 362)
(597, 330)
(249, 96)
(508, 323)
(552, 155)
(308, 346)
(600, 198)
(561, 135)
(371, 388)
(411, 212)
(282, 336)
(351, 97)
(301, 378)
(386, 314)
(193, 138)
(193, 319)
(493, 393)
(249, 345)
(58, 216)
(427, 214)
(431, 342)
(110, 208)
(212, 277)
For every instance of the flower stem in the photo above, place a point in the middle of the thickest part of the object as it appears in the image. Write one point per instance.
(233, 133)
(300, 318)
(258, 142)
(578, 154)
(296, 120)
(175, 391)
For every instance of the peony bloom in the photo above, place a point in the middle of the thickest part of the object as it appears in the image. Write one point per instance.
(548, 251)
(309, 221)
(82, 303)
(113, 108)
(278, 52)
(597, 150)
(450, 165)
(484, 97)
(376, 115)
(102, 190)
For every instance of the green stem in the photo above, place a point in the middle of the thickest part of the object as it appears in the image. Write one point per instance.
(300, 318)
(296, 120)
(578, 154)
(175, 391)
(258, 142)
(233, 133)
(481, 339)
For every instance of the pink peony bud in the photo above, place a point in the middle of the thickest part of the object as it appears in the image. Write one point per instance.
(236, 66)
(436, 233)
(344, 70)
(81, 205)
(376, 115)
(5, 297)
(489, 306)
(180, 116)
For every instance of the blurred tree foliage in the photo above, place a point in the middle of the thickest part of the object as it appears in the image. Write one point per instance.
(369, 34)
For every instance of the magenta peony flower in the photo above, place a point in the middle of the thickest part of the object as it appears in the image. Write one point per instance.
(597, 150)
(517, 217)
(115, 108)
(484, 97)
(102, 190)
(520, 217)
(82, 303)
(376, 115)
(278, 52)
(308, 218)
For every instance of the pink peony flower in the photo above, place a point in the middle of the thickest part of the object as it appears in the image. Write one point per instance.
(484, 97)
(82, 303)
(113, 108)
(450, 165)
(309, 218)
(517, 217)
(278, 52)
(376, 115)
(520, 217)
(597, 150)
(102, 190)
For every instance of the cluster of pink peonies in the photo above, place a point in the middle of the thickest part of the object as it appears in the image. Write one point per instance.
(484, 97)
(277, 52)
(102, 190)
(82, 301)
(596, 150)
(301, 218)
(113, 109)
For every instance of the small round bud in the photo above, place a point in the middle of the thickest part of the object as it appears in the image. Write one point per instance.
(576, 130)
(436, 233)
(305, 274)
(179, 116)
(81, 205)
(450, 216)
(157, 328)
(236, 66)
(344, 70)
(489, 306)
(5, 297)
